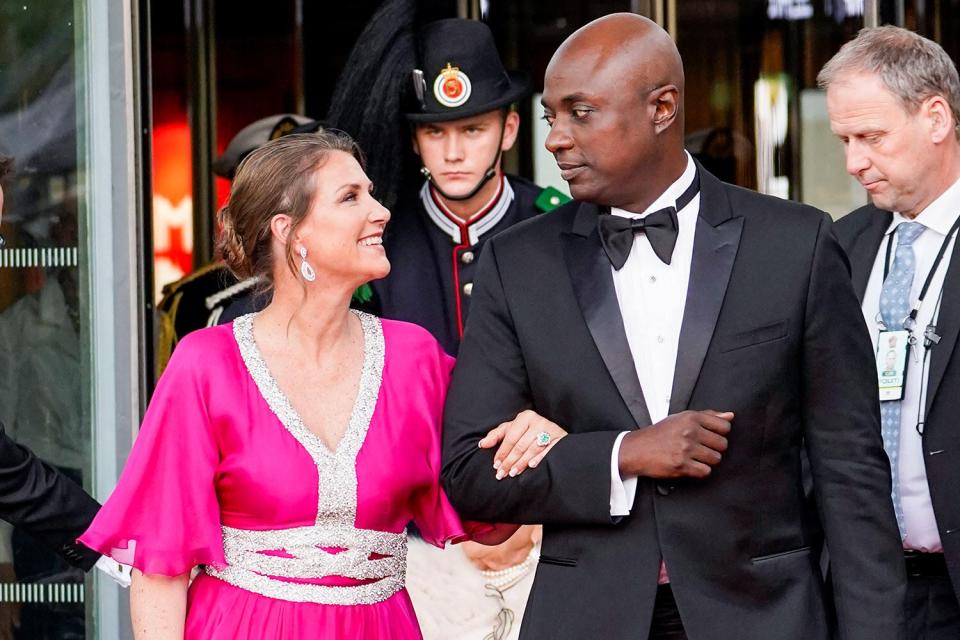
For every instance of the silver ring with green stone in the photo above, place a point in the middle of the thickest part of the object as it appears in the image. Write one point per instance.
(543, 439)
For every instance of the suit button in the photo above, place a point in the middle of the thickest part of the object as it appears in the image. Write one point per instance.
(467, 257)
(468, 289)
(664, 489)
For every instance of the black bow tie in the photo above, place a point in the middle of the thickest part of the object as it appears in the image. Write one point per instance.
(616, 235)
(660, 227)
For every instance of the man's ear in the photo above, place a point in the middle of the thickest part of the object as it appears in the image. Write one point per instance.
(511, 127)
(940, 118)
(666, 106)
(413, 140)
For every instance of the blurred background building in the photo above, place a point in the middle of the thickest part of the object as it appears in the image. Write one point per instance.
(115, 110)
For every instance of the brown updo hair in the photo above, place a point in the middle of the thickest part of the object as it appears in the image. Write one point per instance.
(279, 177)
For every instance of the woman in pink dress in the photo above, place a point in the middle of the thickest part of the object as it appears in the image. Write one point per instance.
(285, 454)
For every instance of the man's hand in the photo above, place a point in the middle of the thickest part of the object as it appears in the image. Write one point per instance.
(519, 442)
(687, 444)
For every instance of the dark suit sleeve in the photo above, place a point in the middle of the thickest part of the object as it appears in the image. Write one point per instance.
(45, 503)
(851, 473)
(490, 386)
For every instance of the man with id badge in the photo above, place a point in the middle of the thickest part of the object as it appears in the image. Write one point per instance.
(893, 98)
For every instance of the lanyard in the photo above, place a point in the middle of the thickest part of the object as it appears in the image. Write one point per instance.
(910, 321)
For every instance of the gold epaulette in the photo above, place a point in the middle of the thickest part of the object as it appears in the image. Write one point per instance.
(166, 332)
(171, 287)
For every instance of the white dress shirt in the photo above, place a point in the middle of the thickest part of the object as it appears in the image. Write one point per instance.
(652, 296)
(919, 521)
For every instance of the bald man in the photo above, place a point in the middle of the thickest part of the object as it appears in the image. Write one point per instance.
(691, 337)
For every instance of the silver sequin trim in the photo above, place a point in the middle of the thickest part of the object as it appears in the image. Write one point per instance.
(245, 548)
(316, 563)
(382, 542)
(371, 593)
(251, 569)
(336, 500)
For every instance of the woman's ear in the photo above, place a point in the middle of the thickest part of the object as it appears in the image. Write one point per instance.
(280, 226)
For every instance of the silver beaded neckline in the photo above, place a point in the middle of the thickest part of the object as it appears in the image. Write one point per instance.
(337, 494)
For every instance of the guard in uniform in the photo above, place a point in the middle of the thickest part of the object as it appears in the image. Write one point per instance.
(198, 299)
(461, 125)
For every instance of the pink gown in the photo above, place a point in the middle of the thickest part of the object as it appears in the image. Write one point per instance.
(295, 541)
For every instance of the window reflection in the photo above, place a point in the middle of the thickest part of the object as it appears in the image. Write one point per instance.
(753, 113)
(42, 369)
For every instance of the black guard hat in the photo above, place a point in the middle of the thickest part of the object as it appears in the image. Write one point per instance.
(461, 74)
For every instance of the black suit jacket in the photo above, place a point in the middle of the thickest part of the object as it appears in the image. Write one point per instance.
(771, 331)
(861, 235)
(45, 503)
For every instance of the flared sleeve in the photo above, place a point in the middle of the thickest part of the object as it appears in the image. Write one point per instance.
(434, 516)
(163, 517)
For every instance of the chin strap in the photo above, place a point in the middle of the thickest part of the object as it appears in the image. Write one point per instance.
(488, 175)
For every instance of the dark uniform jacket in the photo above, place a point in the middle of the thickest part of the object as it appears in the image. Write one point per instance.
(195, 301)
(433, 258)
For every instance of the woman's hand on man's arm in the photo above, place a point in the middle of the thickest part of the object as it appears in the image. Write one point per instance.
(524, 442)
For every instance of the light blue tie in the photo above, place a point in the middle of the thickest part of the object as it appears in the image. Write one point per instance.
(894, 309)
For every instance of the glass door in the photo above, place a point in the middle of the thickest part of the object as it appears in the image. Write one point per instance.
(754, 115)
(44, 375)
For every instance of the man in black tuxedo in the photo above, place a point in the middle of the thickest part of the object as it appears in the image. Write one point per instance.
(892, 98)
(626, 320)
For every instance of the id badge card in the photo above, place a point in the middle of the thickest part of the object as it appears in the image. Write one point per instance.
(892, 350)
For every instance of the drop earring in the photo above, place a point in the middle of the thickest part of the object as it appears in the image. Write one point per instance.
(305, 269)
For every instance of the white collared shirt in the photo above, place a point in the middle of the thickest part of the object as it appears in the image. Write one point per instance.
(652, 296)
(919, 520)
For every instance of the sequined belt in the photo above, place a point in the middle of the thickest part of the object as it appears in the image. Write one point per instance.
(248, 567)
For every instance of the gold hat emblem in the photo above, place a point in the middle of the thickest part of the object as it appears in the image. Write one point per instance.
(451, 87)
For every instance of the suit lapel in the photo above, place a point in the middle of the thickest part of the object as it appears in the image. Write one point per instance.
(593, 287)
(863, 253)
(715, 245)
(948, 326)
